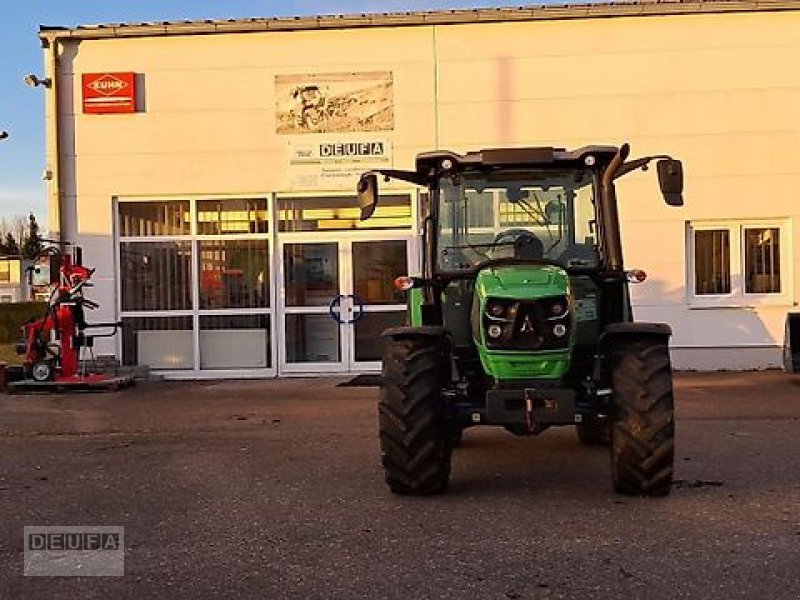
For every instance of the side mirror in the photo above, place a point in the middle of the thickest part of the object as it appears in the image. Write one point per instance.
(670, 179)
(367, 194)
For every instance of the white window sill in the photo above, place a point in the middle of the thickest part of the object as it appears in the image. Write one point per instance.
(754, 306)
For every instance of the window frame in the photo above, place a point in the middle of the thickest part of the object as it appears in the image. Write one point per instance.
(738, 297)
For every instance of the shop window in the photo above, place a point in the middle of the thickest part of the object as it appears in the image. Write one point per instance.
(738, 263)
(194, 279)
(148, 219)
(233, 273)
(337, 213)
(234, 342)
(155, 276)
(232, 216)
(159, 342)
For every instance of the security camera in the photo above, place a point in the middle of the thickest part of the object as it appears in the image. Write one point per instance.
(33, 81)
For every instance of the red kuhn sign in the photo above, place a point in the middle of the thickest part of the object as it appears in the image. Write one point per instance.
(109, 92)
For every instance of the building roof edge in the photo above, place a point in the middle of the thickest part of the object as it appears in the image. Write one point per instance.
(418, 18)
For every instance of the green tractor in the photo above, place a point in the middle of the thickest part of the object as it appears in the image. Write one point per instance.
(521, 317)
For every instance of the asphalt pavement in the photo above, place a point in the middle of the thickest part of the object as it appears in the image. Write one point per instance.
(273, 489)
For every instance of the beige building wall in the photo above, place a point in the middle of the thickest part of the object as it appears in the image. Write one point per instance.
(719, 91)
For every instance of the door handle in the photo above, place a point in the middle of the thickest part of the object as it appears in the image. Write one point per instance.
(357, 302)
(334, 309)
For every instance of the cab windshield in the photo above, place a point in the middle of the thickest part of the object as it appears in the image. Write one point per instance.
(537, 215)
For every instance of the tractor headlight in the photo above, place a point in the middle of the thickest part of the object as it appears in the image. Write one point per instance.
(560, 330)
(556, 308)
(496, 309)
(494, 331)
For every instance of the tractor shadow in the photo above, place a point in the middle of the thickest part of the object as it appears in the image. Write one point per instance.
(496, 463)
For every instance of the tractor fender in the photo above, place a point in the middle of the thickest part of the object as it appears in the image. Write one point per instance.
(427, 331)
(615, 332)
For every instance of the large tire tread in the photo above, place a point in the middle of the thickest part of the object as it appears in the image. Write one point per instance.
(643, 430)
(415, 449)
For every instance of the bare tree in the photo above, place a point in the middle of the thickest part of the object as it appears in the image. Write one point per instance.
(14, 230)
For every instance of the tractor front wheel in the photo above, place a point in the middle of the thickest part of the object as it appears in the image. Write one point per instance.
(643, 426)
(415, 445)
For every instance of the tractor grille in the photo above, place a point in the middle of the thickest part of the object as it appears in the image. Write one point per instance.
(543, 324)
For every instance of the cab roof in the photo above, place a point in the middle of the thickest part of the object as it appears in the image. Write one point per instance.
(540, 156)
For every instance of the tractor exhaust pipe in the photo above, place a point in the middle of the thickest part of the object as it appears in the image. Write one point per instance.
(609, 212)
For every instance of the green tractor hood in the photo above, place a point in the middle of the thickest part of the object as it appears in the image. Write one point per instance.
(522, 321)
(522, 282)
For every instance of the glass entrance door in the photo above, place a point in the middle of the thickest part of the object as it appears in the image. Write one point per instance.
(376, 264)
(337, 298)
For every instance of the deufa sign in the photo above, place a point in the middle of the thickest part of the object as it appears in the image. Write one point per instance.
(109, 93)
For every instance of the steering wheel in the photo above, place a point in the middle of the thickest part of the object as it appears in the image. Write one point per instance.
(526, 244)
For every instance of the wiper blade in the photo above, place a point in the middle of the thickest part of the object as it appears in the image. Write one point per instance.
(537, 214)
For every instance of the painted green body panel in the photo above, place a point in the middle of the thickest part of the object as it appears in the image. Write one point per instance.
(505, 365)
(415, 299)
(520, 282)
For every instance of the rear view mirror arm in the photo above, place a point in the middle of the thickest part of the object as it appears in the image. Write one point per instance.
(367, 188)
(410, 176)
(638, 163)
(670, 175)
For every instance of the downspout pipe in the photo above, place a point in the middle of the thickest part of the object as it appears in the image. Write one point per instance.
(56, 209)
(609, 212)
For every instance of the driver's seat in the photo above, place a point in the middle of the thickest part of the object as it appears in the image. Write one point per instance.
(528, 247)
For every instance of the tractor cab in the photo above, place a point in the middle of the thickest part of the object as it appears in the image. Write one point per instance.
(543, 204)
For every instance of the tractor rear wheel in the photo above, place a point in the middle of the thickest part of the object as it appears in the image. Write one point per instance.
(643, 425)
(416, 447)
